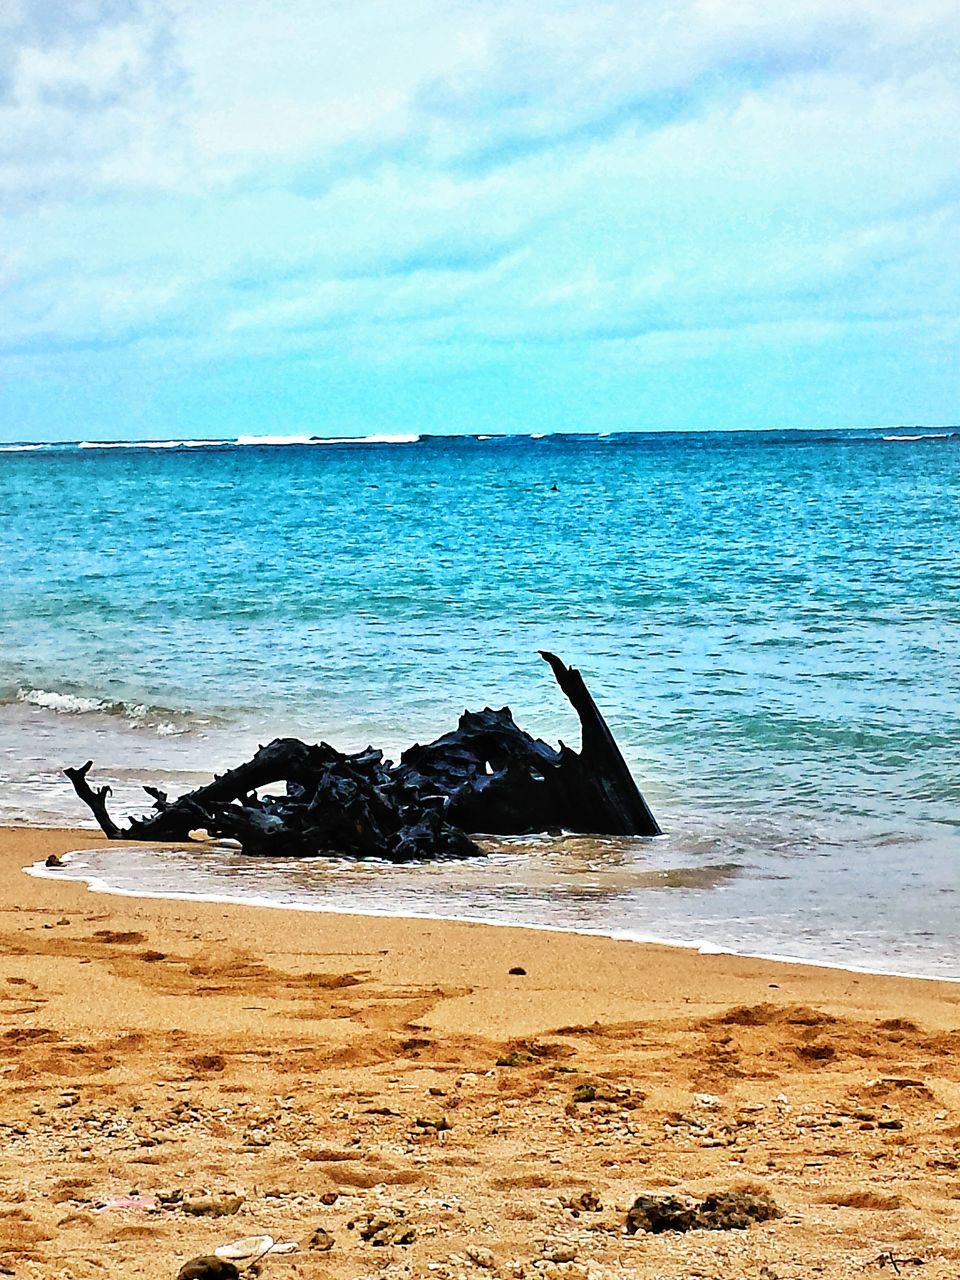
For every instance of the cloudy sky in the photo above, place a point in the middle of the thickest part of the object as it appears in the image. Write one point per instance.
(352, 216)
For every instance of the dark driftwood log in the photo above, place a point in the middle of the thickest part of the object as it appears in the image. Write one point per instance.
(486, 776)
(606, 798)
(96, 801)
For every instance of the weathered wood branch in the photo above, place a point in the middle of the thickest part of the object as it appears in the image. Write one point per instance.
(488, 775)
(96, 801)
(603, 783)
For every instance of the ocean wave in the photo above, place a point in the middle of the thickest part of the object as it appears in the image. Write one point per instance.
(109, 444)
(181, 444)
(244, 441)
(852, 436)
(275, 440)
(410, 438)
(161, 720)
(928, 435)
(150, 444)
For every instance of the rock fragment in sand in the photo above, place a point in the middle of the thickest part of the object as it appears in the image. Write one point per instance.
(587, 1202)
(256, 1138)
(601, 1091)
(660, 1213)
(902, 1082)
(221, 1206)
(516, 1058)
(208, 1268)
(321, 1240)
(562, 1253)
(518, 971)
(53, 861)
(733, 1210)
(439, 1124)
(584, 1093)
(481, 1257)
(385, 1228)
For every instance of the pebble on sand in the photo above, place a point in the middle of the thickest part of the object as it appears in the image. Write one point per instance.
(208, 1268)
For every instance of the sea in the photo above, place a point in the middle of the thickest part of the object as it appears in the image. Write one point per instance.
(770, 622)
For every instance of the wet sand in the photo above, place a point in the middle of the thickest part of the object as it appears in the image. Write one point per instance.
(328, 1068)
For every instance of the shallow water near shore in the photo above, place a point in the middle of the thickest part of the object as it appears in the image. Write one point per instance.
(890, 912)
(769, 623)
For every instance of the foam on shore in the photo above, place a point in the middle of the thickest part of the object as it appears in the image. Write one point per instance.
(332, 893)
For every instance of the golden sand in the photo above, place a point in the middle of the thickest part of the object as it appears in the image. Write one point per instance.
(331, 1068)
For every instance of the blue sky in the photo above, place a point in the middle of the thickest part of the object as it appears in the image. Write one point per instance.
(350, 216)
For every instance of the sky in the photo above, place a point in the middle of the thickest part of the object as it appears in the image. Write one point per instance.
(223, 217)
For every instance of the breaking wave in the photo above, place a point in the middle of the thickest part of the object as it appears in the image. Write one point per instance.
(240, 442)
(161, 720)
(312, 440)
(150, 444)
(866, 436)
(927, 435)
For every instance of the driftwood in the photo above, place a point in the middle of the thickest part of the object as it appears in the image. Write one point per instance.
(487, 776)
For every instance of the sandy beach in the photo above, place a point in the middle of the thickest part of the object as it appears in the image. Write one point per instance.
(392, 1086)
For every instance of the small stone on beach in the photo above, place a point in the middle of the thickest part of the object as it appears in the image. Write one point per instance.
(384, 1228)
(437, 1123)
(481, 1257)
(212, 1206)
(208, 1268)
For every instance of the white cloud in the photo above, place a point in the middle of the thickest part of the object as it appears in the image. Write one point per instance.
(190, 94)
(253, 176)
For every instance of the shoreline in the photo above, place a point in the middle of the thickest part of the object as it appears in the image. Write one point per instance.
(691, 970)
(360, 1065)
(99, 885)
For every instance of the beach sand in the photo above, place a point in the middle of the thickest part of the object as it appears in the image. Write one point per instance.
(311, 1063)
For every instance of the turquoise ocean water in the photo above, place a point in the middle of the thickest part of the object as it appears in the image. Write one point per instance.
(769, 621)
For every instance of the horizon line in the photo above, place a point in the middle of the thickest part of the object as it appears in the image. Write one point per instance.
(282, 438)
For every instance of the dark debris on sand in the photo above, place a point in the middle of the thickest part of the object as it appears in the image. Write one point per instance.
(488, 775)
(732, 1210)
